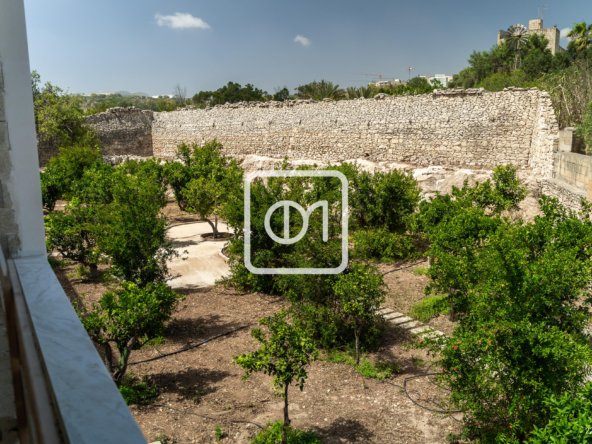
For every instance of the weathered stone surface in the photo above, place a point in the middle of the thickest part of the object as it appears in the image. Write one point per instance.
(456, 128)
(124, 131)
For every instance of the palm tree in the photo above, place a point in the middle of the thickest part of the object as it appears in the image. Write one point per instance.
(516, 37)
(580, 37)
(320, 90)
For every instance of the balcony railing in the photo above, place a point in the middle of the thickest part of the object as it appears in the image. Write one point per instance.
(63, 392)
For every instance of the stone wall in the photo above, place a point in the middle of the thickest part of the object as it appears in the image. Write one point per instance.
(124, 131)
(572, 179)
(466, 128)
(8, 229)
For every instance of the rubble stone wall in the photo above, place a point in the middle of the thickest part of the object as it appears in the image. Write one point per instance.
(124, 131)
(468, 128)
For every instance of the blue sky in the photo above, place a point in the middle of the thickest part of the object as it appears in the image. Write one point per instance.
(152, 45)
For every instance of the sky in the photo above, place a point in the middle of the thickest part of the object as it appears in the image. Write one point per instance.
(151, 46)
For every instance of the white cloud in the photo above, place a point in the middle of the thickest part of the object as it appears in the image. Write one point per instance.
(181, 20)
(564, 32)
(304, 41)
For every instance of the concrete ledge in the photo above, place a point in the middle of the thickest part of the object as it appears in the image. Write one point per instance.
(89, 404)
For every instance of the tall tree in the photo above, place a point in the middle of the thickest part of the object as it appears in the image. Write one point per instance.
(580, 37)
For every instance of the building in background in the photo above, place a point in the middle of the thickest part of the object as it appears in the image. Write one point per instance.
(535, 26)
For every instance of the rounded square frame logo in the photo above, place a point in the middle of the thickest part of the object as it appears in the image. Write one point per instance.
(305, 213)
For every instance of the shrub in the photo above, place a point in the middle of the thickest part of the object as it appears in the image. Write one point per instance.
(585, 129)
(73, 233)
(138, 391)
(128, 318)
(63, 170)
(272, 434)
(522, 338)
(430, 307)
(382, 245)
(368, 369)
(570, 419)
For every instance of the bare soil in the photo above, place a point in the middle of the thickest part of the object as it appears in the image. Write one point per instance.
(201, 388)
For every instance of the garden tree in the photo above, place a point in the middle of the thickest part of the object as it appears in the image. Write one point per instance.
(282, 95)
(522, 339)
(59, 119)
(284, 353)
(570, 419)
(73, 233)
(319, 90)
(205, 181)
(230, 93)
(63, 170)
(127, 318)
(315, 306)
(359, 293)
(580, 37)
(203, 197)
(459, 225)
(133, 231)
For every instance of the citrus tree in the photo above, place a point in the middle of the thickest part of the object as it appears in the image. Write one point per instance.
(284, 353)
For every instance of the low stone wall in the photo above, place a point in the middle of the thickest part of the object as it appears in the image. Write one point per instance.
(576, 170)
(124, 131)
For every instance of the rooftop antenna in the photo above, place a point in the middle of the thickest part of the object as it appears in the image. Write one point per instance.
(542, 9)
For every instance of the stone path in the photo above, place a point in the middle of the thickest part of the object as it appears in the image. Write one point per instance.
(416, 328)
(199, 263)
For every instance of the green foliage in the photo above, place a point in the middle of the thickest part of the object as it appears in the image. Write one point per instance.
(580, 37)
(230, 93)
(206, 182)
(73, 233)
(382, 245)
(319, 90)
(132, 230)
(585, 129)
(459, 225)
(570, 419)
(284, 354)
(138, 391)
(359, 293)
(367, 368)
(63, 170)
(429, 308)
(59, 119)
(521, 339)
(500, 80)
(127, 318)
(272, 434)
(282, 95)
(382, 200)
(218, 433)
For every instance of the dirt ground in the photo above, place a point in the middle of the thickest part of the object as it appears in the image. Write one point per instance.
(200, 387)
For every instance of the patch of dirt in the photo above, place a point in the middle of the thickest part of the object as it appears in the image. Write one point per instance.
(201, 387)
(406, 287)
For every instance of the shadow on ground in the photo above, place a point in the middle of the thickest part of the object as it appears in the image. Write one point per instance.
(191, 384)
(344, 430)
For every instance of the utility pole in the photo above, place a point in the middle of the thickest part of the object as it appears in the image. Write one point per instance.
(410, 68)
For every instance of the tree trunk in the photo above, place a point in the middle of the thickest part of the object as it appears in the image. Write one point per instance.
(124, 353)
(214, 227)
(357, 335)
(93, 270)
(286, 416)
